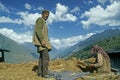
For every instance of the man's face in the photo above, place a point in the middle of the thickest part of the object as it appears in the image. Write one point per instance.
(45, 15)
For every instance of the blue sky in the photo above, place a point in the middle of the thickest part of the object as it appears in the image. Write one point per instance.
(70, 21)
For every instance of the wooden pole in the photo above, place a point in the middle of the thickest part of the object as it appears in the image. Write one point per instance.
(3, 59)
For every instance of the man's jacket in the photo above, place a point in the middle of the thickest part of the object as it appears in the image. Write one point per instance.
(41, 34)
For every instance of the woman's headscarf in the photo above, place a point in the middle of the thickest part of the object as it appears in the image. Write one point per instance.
(98, 49)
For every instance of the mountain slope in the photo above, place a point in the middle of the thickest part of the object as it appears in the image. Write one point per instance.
(93, 39)
(54, 53)
(33, 50)
(17, 54)
(108, 44)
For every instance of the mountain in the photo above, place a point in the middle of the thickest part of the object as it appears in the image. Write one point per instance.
(93, 39)
(109, 44)
(54, 53)
(18, 53)
(27, 51)
(31, 49)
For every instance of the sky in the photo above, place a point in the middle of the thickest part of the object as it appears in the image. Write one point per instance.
(69, 22)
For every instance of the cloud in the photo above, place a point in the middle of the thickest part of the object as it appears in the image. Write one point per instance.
(27, 6)
(51, 18)
(104, 1)
(61, 14)
(90, 2)
(76, 9)
(99, 16)
(25, 18)
(68, 42)
(38, 8)
(3, 8)
(4, 19)
(114, 1)
(28, 18)
(58, 43)
(20, 38)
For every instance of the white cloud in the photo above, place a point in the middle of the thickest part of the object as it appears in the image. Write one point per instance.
(114, 0)
(104, 1)
(20, 38)
(67, 42)
(90, 2)
(100, 16)
(28, 18)
(76, 9)
(51, 18)
(61, 14)
(4, 19)
(39, 8)
(27, 6)
(3, 8)
(58, 43)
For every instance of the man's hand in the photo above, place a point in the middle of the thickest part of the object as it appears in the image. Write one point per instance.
(43, 43)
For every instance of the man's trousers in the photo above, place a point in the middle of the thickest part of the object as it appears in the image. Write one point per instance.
(43, 62)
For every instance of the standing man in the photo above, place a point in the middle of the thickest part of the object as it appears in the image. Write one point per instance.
(41, 41)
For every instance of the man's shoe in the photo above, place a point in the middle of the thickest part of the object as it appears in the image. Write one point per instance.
(47, 76)
(39, 75)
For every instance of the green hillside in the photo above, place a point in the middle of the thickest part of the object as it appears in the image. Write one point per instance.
(91, 40)
(108, 44)
(18, 53)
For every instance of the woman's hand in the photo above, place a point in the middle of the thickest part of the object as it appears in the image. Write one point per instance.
(90, 65)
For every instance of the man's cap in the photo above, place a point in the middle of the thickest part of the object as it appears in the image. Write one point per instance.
(45, 11)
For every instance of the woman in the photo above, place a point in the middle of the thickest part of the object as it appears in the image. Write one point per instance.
(102, 63)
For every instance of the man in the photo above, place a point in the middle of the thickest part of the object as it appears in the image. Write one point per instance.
(41, 41)
(102, 64)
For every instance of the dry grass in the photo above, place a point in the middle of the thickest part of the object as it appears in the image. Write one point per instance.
(18, 71)
(24, 71)
(64, 65)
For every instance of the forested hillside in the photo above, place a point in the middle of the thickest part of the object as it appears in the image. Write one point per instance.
(107, 44)
(91, 40)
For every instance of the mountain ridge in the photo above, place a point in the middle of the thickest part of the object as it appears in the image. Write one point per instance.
(18, 52)
(93, 39)
(29, 52)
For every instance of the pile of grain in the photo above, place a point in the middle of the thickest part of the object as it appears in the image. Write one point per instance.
(26, 71)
